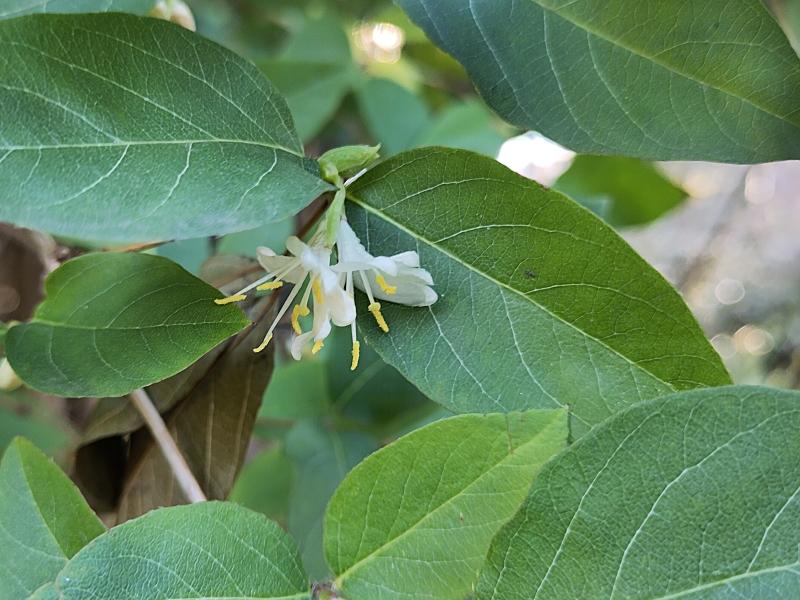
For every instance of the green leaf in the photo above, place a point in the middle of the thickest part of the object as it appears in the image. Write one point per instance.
(658, 80)
(468, 125)
(207, 550)
(113, 322)
(415, 519)
(44, 520)
(540, 303)
(638, 193)
(689, 496)
(17, 8)
(265, 484)
(36, 423)
(165, 136)
(393, 115)
(322, 457)
(314, 72)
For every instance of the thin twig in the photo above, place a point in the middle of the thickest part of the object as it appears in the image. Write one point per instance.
(169, 448)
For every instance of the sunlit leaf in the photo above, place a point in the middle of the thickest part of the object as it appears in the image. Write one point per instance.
(114, 322)
(44, 520)
(208, 550)
(415, 519)
(715, 80)
(688, 496)
(125, 128)
(540, 304)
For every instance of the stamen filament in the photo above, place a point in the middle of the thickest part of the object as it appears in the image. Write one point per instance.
(290, 298)
(375, 309)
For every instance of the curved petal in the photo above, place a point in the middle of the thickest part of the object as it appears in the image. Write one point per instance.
(272, 263)
(341, 306)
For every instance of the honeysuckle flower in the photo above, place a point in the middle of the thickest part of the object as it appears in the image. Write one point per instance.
(398, 279)
(309, 267)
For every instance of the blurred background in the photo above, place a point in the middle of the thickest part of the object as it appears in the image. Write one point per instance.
(357, 71)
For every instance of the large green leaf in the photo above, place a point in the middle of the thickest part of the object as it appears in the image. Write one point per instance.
(636, 192)
(695, 495)
(415, 519)
(125, 128)
(540, 304)
(44, 520)
(208, 550)
(17, 8)
(114, 322)
(715, 80)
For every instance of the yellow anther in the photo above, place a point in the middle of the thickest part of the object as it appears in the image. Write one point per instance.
(272, 285)
(356, 354)
(375, 309)
(316, 288)
(317, 346)
(230, 299)
(297, 312)
(388, 289)
(263, 344)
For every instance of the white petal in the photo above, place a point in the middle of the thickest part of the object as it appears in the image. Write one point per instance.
(407, 259)
(409, 292)
(341, 306)
(348, 245)
(272, 263)
(418, 275)
(299, 344)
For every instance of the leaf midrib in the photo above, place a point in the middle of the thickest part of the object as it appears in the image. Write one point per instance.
(144, 327)
(499, 283)
(554, 423)
(672, 69)
(122, 143)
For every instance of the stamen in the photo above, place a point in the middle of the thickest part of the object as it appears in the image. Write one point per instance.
(230, 299)
(279, 316)
(388, 289)
(375, 309)
(272, 285)
(316, 287)
(297, 312)
(356, 354)
(263, 344)
(317, 346)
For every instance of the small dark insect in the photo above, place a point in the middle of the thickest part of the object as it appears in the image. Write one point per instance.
(531, 274)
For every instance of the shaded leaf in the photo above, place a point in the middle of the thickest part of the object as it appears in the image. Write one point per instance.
(17, 8)
(637, 193)
(165, 134)
(689, 496)
(658, 80)
(540, 303)
(34, 423)
(114, 322)
(415, 519)
(44, 520)
(322, 458)
(393, 115)
(211, 423)
(207, 550)
(265, 483)
(468, 126)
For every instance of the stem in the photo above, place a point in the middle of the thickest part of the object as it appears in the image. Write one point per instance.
(169, 448)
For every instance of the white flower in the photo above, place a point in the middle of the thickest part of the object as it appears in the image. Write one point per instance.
(397, 278)
(309, 263)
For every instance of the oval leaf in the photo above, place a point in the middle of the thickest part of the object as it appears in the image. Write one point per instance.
(540, 303)
(17, 8)
(208, 550)
(660, 80)
(127, 128)
(44, 520)
(112, 323)
(415, 519)
(688, 496)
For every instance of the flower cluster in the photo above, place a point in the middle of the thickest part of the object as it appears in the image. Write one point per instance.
(328, 289)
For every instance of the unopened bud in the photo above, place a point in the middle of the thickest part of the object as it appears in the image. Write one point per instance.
(175, 11)
(9, 380)
(348, 160)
